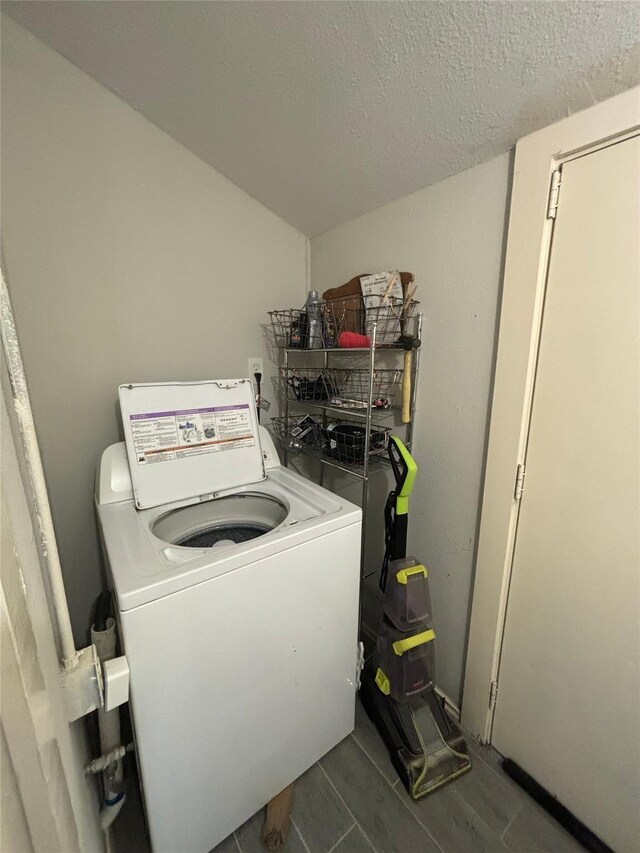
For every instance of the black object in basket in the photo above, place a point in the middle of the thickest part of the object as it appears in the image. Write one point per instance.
(313, 390)
(348, 442)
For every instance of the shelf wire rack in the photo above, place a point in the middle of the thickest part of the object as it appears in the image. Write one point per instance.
(314, 435)
(347, 389)
(342, 442)
(349, 314)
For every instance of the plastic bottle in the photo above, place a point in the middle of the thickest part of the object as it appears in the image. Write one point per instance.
(313, 309)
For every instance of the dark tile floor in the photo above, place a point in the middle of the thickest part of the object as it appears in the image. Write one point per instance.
(352, 802)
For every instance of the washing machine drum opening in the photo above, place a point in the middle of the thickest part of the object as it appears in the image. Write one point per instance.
(224, 521)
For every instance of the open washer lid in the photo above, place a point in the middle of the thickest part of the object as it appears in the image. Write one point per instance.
(190, 439)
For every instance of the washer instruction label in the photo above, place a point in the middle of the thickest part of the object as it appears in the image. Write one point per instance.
(162, 436)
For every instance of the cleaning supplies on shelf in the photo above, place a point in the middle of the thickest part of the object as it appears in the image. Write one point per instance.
(347, 316)
(313, 310)
(304, 327)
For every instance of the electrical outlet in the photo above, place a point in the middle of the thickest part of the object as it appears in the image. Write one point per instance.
(255, 366)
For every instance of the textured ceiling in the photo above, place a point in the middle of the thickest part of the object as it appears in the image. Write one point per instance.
(325, 110)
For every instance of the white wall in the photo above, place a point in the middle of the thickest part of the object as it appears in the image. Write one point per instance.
(128, 259)
(451, 236)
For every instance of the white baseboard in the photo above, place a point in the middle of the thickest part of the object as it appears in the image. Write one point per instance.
(449, 705)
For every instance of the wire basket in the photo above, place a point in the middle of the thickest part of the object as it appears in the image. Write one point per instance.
(288, 328)
(297, 433)
(391, 318)
(343, 441)
(342, 388)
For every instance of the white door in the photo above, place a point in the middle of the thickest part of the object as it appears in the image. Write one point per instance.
(568, 699)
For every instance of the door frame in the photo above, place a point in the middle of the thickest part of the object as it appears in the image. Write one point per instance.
(528, 243)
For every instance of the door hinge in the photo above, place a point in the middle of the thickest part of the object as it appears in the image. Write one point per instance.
(493, 695)
(82, 685)
(554, 194)
(519, 488)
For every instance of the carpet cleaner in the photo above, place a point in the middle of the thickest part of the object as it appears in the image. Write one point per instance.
(398, 690)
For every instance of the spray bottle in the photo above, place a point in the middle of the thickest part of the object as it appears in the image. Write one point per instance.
(313, 309)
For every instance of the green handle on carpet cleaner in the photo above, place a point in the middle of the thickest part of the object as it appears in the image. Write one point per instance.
(402, 646)
(402, 499)
(404, 574)
(383, 682)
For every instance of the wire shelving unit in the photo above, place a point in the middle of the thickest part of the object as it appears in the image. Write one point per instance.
(331, 407)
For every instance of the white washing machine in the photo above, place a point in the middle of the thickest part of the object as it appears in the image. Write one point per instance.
(236, 584)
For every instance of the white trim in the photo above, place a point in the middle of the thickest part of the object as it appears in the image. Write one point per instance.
(46, 754)
(43, 522)
(528, 243)
(449, 705)
(307, 265)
